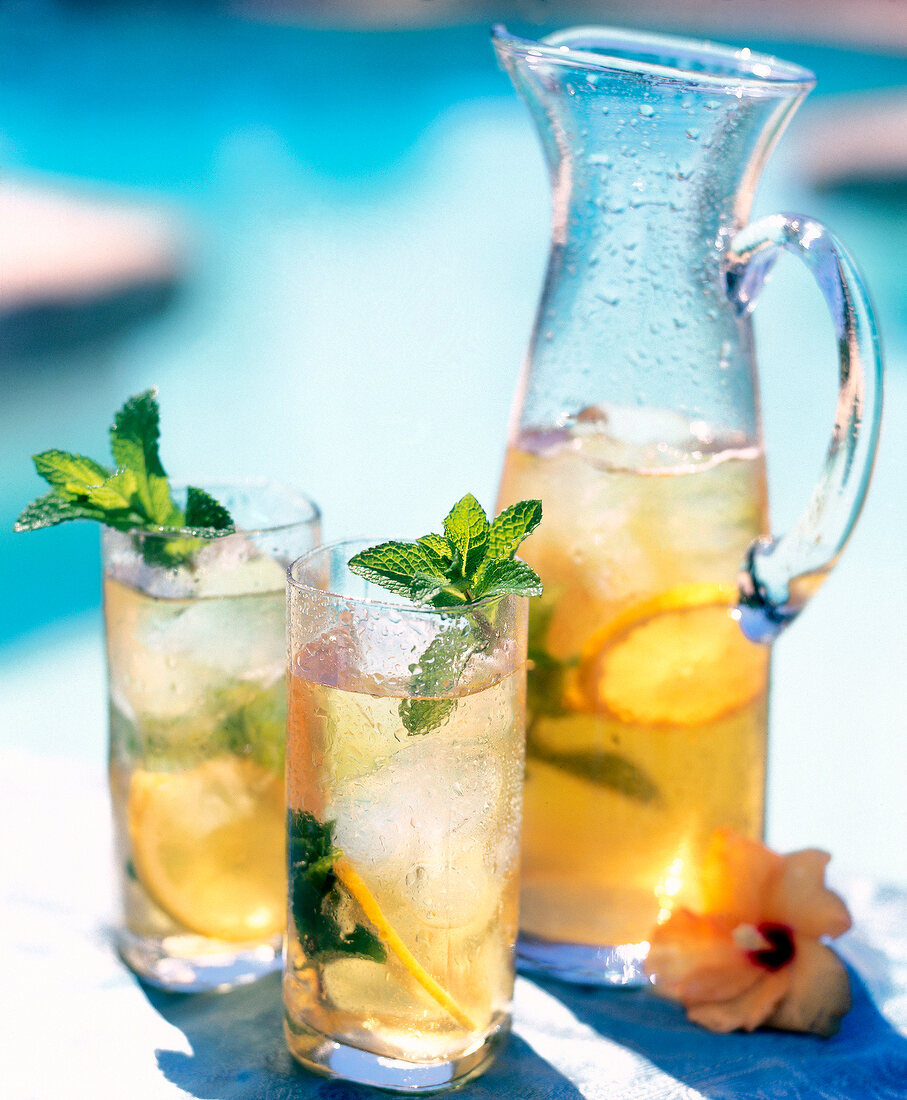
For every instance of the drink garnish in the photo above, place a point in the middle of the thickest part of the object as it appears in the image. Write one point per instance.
(472, 560)
(318, 870)
(206, 846)
(132, 495)
(315, 896)
(604, 769)
(352, 880)
(677, 658)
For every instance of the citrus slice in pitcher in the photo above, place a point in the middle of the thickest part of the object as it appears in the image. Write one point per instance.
(208, 846)
(678, 658)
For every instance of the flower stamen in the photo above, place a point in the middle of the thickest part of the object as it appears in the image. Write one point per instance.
(781, 950)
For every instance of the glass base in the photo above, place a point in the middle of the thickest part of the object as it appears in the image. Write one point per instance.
(330, 1058)
(194, 964)
(583, 964)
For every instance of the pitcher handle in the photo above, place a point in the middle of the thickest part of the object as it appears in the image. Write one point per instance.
(779, 574)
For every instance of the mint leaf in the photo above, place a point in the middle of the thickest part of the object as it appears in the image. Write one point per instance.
(135, 496)
(256, 728)
(506, 577)
(71, 475)
(204, 512)
(472, 560)
(440, 545)
(400, 567)
(437, 673)
(134, 442)
(605, 769)
(512, 526)
(316, 895)
(51, 509)
(421, 716)
(467, 527)
(117, 493)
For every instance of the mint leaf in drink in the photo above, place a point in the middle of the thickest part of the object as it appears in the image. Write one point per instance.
(134, 495)
(316, 895)
(604, 769)
(472, 560)
(420, 716)
(437, 673)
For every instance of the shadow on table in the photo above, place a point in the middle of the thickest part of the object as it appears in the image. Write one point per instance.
(866, 1060)
(238, 1053)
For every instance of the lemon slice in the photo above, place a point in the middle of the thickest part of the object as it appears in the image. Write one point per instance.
(678, 658)
(352, 880)
(208, 846)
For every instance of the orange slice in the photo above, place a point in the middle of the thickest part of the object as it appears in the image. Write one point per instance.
(678, 658)
(208, 846)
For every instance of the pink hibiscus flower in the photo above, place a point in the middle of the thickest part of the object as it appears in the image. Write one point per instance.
(752, 957)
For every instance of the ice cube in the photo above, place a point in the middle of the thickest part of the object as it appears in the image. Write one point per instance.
(237, 638)
(233, 566)
(425, 826)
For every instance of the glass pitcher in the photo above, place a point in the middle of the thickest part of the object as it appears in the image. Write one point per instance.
(637, 424)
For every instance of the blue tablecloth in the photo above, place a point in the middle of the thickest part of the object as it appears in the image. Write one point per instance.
(79, 1024)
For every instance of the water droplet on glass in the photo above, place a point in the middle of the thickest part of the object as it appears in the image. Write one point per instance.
(415, 875)
(725, 361)
(712, 104)
(693, 134)
(647, 110)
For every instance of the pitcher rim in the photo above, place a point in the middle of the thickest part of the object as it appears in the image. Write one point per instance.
(751, 69)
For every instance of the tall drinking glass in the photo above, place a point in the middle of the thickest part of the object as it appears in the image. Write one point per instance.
(196, 645)
(404, 785)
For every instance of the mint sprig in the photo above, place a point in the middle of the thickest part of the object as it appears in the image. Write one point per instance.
(133, 495)
(472, 560)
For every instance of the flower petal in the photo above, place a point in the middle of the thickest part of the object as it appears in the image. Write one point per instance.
(800, 898)
(737, 873)
(746, 1011)
(694, 959)
(819, 992)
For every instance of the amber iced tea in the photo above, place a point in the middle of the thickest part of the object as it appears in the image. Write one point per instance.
(403, 846)
(196, 673)
(647, 707)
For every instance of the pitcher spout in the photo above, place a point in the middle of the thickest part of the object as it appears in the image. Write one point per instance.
(629, 115)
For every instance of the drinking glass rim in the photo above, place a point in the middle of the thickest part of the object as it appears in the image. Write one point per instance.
(751, 69)
(407, 606)
(161, 532)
